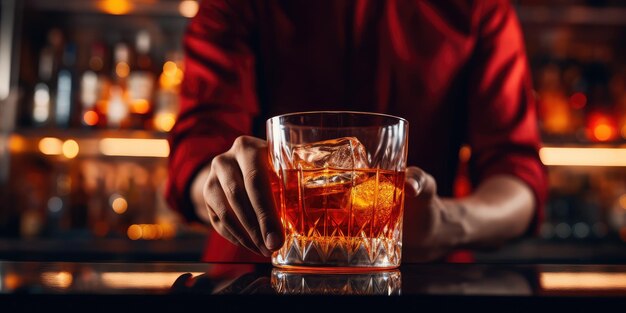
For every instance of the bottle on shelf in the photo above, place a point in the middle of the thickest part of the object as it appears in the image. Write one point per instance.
(43, 95)
(42, 99)
(117, 100)
(167, 95)
(94, 85)
(141, 83)
(66, 87)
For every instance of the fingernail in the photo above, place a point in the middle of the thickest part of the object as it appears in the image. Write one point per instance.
(272, 241)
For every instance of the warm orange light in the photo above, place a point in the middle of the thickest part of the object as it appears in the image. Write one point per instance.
(135, 147)
(171, 81)
(165, 82)
(12, 281)
(465, 153)
(70, 149)
(169, 68)
(164, 121)
(601, 127)
(169, 231)
(622, 201)
(578, 100)
(90, 118)
(172, 75)
(149, 231)
(158, 229)
(122, 69)
(16, 144)
(50, 146)
(583, 156)
(624, 131)
(582, 281)
(140, 106)
(119, 205)
(134, 232)
(188, 8)
(555, 112)
(61, 279)
(115, 7)
(141, 280)
(603, 132)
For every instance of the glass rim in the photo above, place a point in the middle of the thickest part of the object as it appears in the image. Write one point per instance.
(400, 119)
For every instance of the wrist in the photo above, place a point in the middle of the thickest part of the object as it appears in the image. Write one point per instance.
(456, 231)
(197, 194)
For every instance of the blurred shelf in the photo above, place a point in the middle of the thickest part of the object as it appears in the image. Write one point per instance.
(189, 248)
(88, 133)
(90, 143)
(572, 156)
(534, 250)
(164, 8)
(579, 140)
(574, 14)
(583, 155)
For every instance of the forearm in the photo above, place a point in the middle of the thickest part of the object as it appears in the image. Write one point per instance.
(500, 209)
(197, 197)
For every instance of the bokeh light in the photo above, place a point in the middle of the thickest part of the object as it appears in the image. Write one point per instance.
(188, 8)
(50, 146)
(115, 7)
(140, 106)
(601, 127)
(62, 279)
(122, 69)
(164, 121)
(91, 118)
(70, 149)
(119, 204)
(134, 232)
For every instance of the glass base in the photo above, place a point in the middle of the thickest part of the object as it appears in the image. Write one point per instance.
(338, 254)
(366, 283)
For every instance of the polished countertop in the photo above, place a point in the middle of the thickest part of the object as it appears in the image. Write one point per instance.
(74, 286)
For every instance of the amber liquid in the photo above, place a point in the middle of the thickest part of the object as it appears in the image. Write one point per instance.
(340, 218)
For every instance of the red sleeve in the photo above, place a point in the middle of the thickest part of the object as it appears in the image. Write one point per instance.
(218, 96)
(503, 130)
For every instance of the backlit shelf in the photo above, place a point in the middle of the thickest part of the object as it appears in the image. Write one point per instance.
(584, 156)
(71, 144)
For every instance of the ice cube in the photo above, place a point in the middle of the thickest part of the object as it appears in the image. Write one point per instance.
(328, 181)
(340, 153)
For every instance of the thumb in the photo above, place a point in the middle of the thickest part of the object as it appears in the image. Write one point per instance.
(419, 184)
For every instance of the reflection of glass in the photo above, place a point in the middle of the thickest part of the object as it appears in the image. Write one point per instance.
(339, 185)
(366, 283)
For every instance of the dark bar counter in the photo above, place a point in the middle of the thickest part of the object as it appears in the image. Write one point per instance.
(180, 287)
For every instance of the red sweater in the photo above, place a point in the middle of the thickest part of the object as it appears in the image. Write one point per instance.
(456, 70)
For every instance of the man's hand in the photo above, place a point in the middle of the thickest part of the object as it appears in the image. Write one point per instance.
(432, 226)
(233, 194)
(500, 209)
